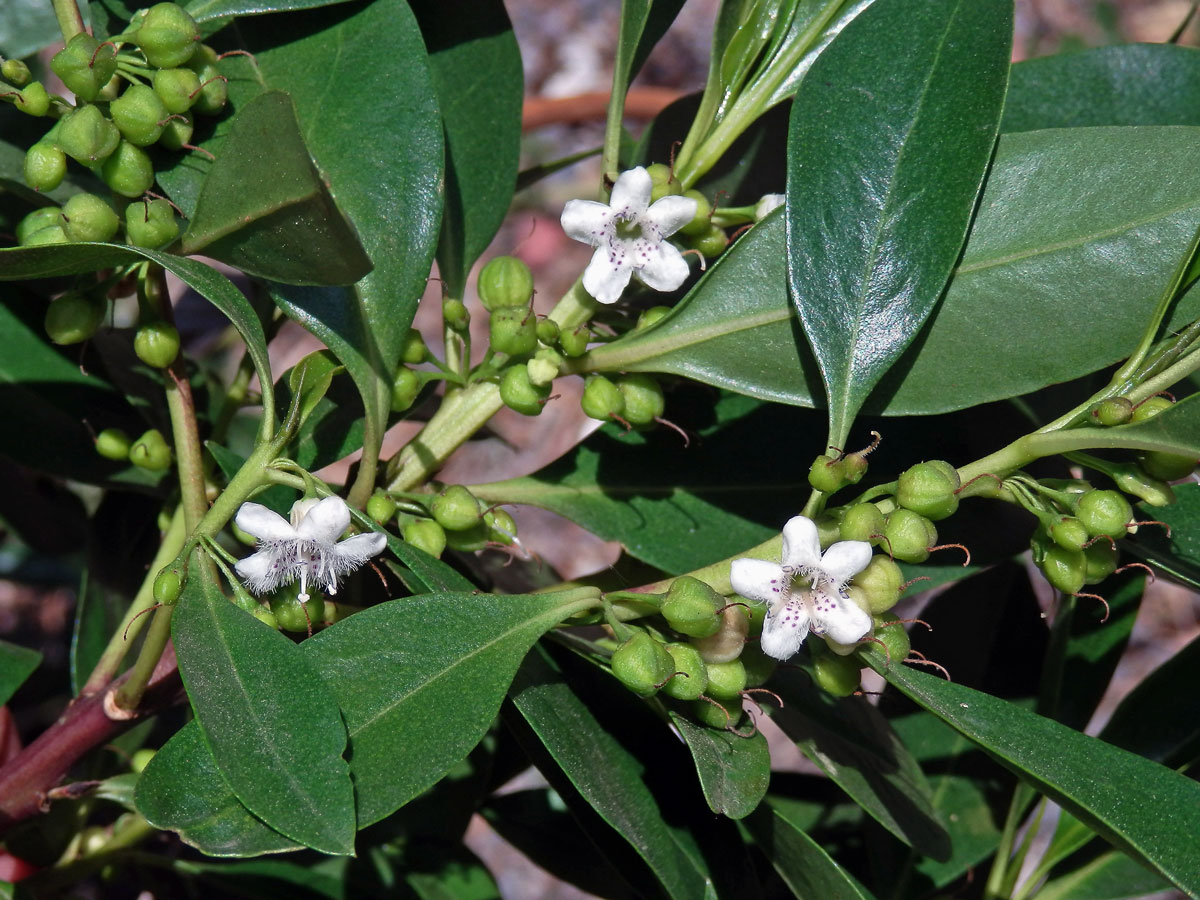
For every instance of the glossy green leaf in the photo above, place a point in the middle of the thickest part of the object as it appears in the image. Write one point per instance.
(26, 27)
(476, 69)
(1074, 225)
(1134, 84)
(420, 680)
(643, 22)
(16, 664)
(207, 10)
(268, 879)
(1140, 806)
(1177, 551)
(734, 770)
(1175, 430)
(1113, 876)
(267, 716)
(907, 96)
(806, 868)
(265, 209)
(182, 790)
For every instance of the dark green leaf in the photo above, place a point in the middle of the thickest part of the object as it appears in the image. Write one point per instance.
(265, 209)
(26, 27)
(268, 717)
(643, 22)
(271, 878)
(909, 95)
(477, 74)
(182, 790)
(420, 680)
(734, 770)
(207, 10)
(1175, 430)
(1113, 876)
(1140, 806)
(16, 664)
(1135, 84)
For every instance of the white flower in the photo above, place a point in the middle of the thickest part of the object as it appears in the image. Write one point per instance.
(806, 590)
(306, 548)
(767, 203)
(630, 237)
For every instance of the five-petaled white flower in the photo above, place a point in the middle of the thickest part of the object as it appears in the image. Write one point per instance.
(630, 236)
(806, 590)
(306, 548)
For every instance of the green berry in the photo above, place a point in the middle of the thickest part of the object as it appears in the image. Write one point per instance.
(470, 539)
(34, 100)
(214, 91)
(574, 343)
(601, 398)
(643, 396)
(85, 66)
(150, 224)
(1100, 561)
(151, 451)
(892, 634)
(177, 88)
(513, 331)
(455, 508)
(691, 675)
(113, 443)
(881, 583)
(45, 166)
(759, 666)
(862, 522)
(837, 675)
(700, 223)
(929, 488)
(518, 392)
(87, 217)
(651, 316)
(166, 35)
(39, 220)
(414, 350)
(15, 72)
(544, 367)
(642, 664)
(425, 534)
(726, 680)
(74, 317)
(1112, 411)
(715, 714)
(177, 131)
(1104, 512)
(293, 615)
(85, 135)
(128, 171)
(1068, 532)
(547, 332)
(691, 607)
(138, 114)
(501, 527)
(1150, 408)
(1166, 466)
(711, 242)
(909, 536)
(1064, 569)
(455, 314)
(381, 507)
(405, 389)
(827, 474)
(156, 344)
(167, 587)
(505, 282)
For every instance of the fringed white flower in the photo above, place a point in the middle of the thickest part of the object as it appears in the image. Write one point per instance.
(306, 548)
(630, 236)
(806, 591)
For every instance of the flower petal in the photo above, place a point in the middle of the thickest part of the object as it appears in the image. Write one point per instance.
(784, 630)
(606, 279)
(671, 213)
(354, 551)
(664, 268)
(759, 580)
(838, 618)
(631, 192)
(801, 544)
(845, 559)
(264, 524)
(325, 522)
(585, 220)
(263, 571)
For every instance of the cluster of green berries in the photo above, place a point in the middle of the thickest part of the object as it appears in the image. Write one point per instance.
(126, 101)
(1148, 476)
(76, 315)
(700, 234)
(456, 519)
(150, 452)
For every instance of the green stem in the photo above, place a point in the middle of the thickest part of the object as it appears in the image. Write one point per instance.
(1002, 860)
(70, 20)
(576, 307)
(368, 465)
(462, 413)
(129, 694)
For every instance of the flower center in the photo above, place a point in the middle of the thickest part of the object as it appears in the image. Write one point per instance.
(627, 229)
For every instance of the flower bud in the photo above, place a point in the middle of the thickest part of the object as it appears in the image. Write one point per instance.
(74, 317)
(45, 166)
(544, 367)
(455, 314)
(505, 283)
(156, 344)
(827, 474)
(15, 72)
(651, 316)
(86, 217)
(414, 350)
(468, 540)
(727, 644)
(575, 341)
(214, 91)
(1068, 532)
(547, 332)
(643, 398)
(893, 636)
(425, 534)
(501, 527)
(711, 242)
(1112, 411)
(128, 171)
(642, 664)
(518, 392)
(1165, 466)
(150, 224)
(39, 220)
(34, 100)
(663, 182)
(717, 714)
(405, 389)
(381, 507)
(167, 587)
(691, 675)
(862, 522)
(881, 583)
(137, 113)
(700, 223)
(1132, 479)
(176, 88)
(909, 536)
(691, 607)
(1104, 512)
(1064, 569)
(601, 398)
(86, 136)
(929, 488)
(1150, 408)
(85, 65)
(113, 443)
(513, 331)
(455, 508)
(150, 451)
(292, 614)
(166, 35)
(1100, 561)
(726, 680)
(837, 675)
(768, 203)
(177, 131)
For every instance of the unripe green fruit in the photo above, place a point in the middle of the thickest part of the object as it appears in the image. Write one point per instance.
(128, 171)
(711, 243)
(150, 224)
(1166, 466)
(214, 92)
(141, 759)
(717, 714)
(1112, 411)
(113, 443)
(501, 527)
(156, 344)
(544, 367)
(469, 539)
(759, 666)
(177, 88)
(455, 508)
(381, 508)
(691, 607)
(51, 235)
(513, 331)
(661, 175)
(15, 72)
(1104, 512)
(827, 474)
(575, 342)
(167, 587)
(894, 637)
(291, 615)
(45, 166)
(1101, 560)
(651, 316)
(74, 317)
(405, 389)
(85, 65)
(87, 217)
(700, 223)
(881, 583)
(691, 675)
(504, 283)
(177, 131)
(150, 451)
(167, 35)
(862, 522)
(909, 536)
(137, 113)
(427, 535)
(729, 641)
(414, 350)
(547, 332)
(86, 136)
(1068, 532)
(644, 400)
(642, 664)
(1064, 569)
(601, 398)
(34, 100)
(1132, 479)
(929, 488)
(519, 393)
(456, 315)
(757, 616)
(726, 680)
(1150, 408)
(39, 220)
(838, 675)
(264, 615)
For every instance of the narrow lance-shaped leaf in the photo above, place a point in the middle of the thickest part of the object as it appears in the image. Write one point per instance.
(890, 137)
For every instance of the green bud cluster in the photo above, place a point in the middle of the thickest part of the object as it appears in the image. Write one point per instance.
(461, 522)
